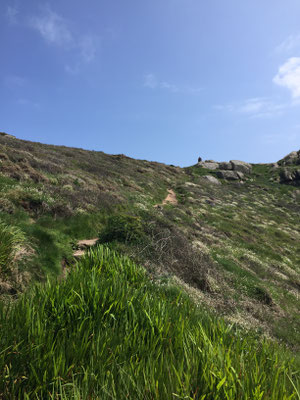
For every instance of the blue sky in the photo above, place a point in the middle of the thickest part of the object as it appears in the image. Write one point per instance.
(163, 80)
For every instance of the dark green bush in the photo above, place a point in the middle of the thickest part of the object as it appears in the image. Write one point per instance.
(122, 228)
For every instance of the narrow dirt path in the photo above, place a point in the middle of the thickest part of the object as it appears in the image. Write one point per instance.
(170, 199)
(83, 245)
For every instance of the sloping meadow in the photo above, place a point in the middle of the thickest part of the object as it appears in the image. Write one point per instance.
(108, 332)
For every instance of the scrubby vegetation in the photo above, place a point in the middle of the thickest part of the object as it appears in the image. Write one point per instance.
(233, 247)
(108, 332)
(123, 228)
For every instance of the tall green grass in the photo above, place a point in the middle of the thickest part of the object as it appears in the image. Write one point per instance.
(12, 244)
(52, 239)
(108, 332)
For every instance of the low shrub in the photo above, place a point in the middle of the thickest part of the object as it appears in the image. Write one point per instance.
(122, 228)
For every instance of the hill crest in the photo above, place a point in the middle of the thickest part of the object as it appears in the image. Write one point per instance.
(232, 244)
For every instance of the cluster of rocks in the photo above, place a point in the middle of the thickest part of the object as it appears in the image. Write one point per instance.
(232, 170)
(291, 159)
(290, 176)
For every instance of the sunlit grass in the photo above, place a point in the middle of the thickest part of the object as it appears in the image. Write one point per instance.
(12, 247)
(108, 332)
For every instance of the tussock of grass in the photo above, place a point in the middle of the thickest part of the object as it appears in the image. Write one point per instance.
(12, 247)
(108, 332)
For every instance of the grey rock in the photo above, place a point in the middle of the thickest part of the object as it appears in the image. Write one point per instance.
(209, 165)
(225, 165)
(274, 165)
(296, 194)
(229, 175)
(241, 166)
(212, 179)
(286, 175)
(291, 158)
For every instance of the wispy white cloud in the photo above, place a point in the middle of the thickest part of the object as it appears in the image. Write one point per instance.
(72, 69)
(87, 51)
(28, 103)
(152, 82)
(258, 107)
(290, 44)
(288, 76)
(13, 81)
(170, 87)
(11, 14)
(55, 30)
(52, 27)
(88, 45)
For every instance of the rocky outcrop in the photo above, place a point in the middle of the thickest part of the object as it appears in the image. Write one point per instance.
(290, 173)
(225, 165)
(232, 170)
(291, 159)
(209, 164)
(241, 166)
(212, 179)
(230, 175)
(290, 176)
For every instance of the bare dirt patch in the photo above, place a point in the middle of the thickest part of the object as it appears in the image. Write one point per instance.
(82, 245)
(86, 243)
(170, 199)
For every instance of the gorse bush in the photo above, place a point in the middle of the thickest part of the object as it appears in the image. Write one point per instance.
(122, 228)
(108, 332)
(12, 247)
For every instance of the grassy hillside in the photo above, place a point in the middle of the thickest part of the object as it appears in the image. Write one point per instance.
(107, 332)
(233, 247)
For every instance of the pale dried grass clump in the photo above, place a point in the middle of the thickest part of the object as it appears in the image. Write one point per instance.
(13, 248)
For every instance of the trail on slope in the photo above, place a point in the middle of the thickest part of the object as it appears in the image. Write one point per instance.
(83, 245)
(170, 199)
(87, 243)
